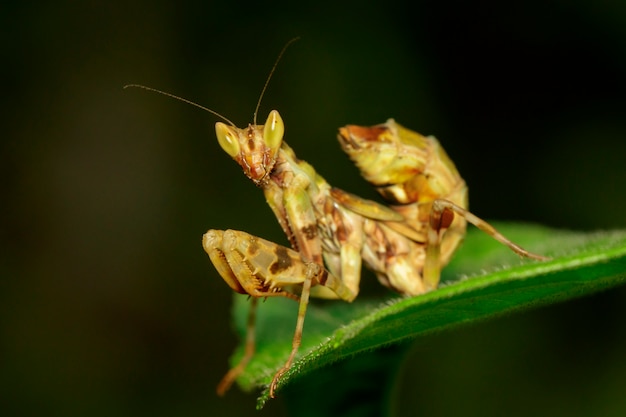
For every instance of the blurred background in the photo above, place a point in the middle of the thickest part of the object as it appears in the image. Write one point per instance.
(108, 304)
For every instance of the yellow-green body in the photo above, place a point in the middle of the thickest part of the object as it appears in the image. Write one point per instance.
(332, 232)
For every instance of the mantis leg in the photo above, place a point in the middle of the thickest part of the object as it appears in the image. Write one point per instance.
(260, 268)
(441, 216)
(234, 372)
(297, 336)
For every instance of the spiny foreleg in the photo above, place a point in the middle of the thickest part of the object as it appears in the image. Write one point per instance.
(260, 268)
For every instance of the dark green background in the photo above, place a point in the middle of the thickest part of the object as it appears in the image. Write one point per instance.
(109, 306)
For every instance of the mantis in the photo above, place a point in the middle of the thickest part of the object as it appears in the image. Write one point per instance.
(332, 232)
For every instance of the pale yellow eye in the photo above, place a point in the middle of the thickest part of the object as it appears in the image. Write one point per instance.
(227, 138)
(273, 130)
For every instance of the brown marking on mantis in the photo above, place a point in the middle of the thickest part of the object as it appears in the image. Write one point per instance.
(253, 248)
(310, 231)
(442, 220)
(322, 277)
(283, 261)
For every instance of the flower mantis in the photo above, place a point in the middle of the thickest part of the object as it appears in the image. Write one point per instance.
(332, 232)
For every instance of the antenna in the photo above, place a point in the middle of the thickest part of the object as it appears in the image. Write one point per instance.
(269, 77)
(184, 100)
(258, 104)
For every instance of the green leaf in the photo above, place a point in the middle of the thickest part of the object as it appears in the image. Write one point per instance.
(484, 280)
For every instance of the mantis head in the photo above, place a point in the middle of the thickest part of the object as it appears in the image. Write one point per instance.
(253, 148)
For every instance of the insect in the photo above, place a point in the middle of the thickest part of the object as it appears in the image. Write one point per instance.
(332, 232)
(405, 244)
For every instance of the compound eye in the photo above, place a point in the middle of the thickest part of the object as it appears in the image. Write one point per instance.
(227, 138)
(273, 130)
